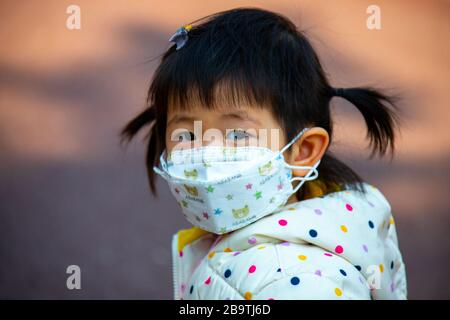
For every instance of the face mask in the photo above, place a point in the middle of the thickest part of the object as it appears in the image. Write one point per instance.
(221, 189)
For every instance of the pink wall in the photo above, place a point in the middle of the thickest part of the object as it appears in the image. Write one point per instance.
(70, 195)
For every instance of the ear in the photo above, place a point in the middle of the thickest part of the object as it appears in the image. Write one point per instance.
(309, 149)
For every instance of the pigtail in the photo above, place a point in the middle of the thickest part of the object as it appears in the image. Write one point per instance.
(145, 118)
(136, 124)
(379, 113)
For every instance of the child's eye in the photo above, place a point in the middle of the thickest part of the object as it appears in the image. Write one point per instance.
(238, 134)
(185, 136)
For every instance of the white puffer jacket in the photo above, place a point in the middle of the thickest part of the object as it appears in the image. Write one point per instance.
(339, 246)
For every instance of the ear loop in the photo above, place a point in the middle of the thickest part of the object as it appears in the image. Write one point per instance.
(308, 177)
(162, 161)
(161, 173)
(313, 172)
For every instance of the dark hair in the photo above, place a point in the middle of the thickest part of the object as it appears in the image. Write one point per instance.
(260, 57)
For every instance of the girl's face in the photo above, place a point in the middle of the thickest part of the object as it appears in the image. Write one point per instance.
(243, 126)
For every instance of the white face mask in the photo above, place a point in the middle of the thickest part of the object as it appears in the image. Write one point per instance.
(221, 189)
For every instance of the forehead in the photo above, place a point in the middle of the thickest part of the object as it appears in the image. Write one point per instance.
(220, 97)
(220, 106)
(225, 94)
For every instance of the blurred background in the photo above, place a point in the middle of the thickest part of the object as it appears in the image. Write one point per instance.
(69, 194)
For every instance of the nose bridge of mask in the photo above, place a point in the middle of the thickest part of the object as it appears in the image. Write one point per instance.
(223, 159)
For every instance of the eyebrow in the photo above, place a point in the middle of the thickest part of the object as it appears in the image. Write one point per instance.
(179, 118)
(241, 115)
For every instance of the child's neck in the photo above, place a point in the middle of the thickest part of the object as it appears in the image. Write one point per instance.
(292, 199)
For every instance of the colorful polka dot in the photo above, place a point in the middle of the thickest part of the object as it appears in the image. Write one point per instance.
(371, 225)
(191, 289)
(343, 272)
(252, 268)
(227, 250)
(348, 207)
(279, 270)
(211, 254)
(251, 240)
(295, 281)
(261, 247)
(248, 295)
(181, 253)
(208, 281)
(227, 273)
(338, 292)
(328, 254)
(358, 268)
(282, 222)
(392, 264)
(365, 248)
(339, 249)
(318, 212)
(344, 228)
(313, 233)
(381, 267)
(302, 257)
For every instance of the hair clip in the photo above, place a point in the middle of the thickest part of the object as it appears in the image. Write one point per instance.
(180, 37)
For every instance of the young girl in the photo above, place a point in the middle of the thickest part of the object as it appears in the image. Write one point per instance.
(240, 127)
